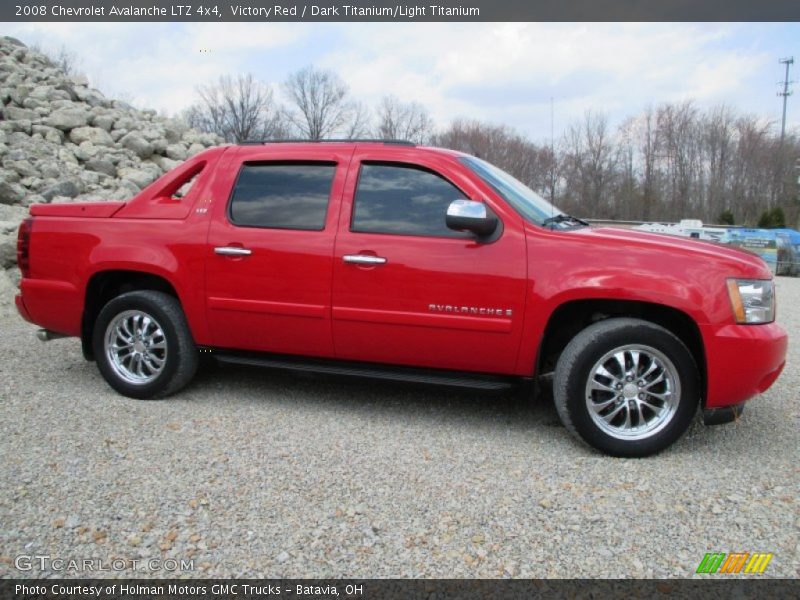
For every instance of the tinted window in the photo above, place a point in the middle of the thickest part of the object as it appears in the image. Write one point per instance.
(404, 200)
(282, 196)
(527, 202)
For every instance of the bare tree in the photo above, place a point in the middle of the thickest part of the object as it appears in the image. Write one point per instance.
(649, 147)
(590, 162)
(359, 121)
(678, 162)
(679, 131)
(403, 121)
(666, 163)
(504, 147)
(66, 61)
(625, 194)
(670, 162)
(63, 59)
(751, 180)
(237, 109)
(717, 137)
(320, 106)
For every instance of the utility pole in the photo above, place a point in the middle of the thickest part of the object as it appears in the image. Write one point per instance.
(785, 93)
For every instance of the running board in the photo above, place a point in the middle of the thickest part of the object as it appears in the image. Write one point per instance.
(458, 379)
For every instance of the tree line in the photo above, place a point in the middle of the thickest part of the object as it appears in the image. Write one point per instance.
(669, 162)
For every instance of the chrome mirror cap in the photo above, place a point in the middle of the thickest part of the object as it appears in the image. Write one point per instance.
(468, 215)
(467, 208)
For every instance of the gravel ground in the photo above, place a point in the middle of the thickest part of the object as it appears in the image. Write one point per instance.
(264, 474)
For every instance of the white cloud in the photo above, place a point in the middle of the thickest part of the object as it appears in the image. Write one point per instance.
(491, 70)
(159, 65)
(504, 72)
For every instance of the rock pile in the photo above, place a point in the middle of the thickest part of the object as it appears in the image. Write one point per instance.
(63, 141)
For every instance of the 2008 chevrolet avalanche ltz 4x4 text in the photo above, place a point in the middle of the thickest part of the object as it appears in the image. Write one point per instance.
(396, 261)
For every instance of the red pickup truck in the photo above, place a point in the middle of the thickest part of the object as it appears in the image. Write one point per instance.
(401, 262)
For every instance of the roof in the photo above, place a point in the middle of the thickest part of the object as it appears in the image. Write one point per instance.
(400, 145)
(329, 141)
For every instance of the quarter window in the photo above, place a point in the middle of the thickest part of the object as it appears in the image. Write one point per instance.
(403, 200)
(282, 195)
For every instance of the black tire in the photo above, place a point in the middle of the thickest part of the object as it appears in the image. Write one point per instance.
(179, 358)
(648, 345)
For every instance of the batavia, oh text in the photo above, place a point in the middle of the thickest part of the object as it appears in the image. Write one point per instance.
(173, 589)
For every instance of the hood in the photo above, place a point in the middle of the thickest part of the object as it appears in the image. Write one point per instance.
(741, 262)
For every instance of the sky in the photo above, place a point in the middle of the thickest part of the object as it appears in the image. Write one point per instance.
(504, 73)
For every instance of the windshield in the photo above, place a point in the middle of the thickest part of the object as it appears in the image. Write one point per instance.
(523, 199)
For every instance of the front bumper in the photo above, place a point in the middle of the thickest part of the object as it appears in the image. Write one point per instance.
(742, 361)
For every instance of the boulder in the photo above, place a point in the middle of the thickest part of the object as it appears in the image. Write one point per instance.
(174, 130)
(49, 134)
(11, 42)
(140, 177)
(94, 135)
(176, 151)
(19, 92)
(22, 125)
(125, 189)
(91, 97)
(195, 149)
(62, 140)
(22, 168)
(165, 164)
(11, 193)
(12, 113)
(68, 118)
(79, 80)
(32, 199)
(101, 166)
(8, 289)
(136, 143)
(65, 155)
(103, 122)
(10, 212)
(65, 188)
(8, 251)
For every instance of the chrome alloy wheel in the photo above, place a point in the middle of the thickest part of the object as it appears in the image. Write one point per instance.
(633, 392)
(136, 347)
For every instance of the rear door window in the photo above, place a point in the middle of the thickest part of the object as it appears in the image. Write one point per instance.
(282, 195)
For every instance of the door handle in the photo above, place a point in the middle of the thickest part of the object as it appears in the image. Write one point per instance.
(364, 259)
(232, 251)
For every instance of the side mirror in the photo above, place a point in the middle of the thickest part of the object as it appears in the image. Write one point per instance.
(467, 215)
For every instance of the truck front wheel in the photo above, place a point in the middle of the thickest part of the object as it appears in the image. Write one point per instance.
(626, 387)
(143, 345)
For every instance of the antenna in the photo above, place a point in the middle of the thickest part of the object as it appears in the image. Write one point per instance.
(785, 93)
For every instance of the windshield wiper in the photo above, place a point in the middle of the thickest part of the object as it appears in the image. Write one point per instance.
(563, 218)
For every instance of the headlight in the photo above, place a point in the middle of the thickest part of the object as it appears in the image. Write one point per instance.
(753, 300)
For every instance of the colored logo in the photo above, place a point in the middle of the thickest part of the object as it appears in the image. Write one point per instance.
(736, 562)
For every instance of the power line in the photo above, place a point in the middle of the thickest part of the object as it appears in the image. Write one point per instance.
(786, 92)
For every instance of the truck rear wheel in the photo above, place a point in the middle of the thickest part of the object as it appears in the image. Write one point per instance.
(143, 345)
(626, 387)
